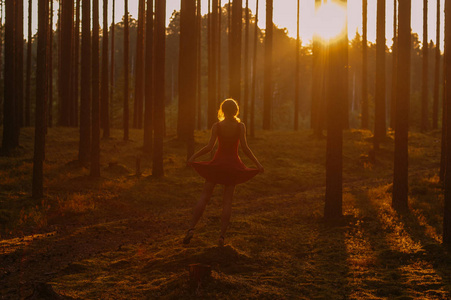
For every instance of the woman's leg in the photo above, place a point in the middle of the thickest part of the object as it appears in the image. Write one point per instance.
(202, 203)
(226, 209)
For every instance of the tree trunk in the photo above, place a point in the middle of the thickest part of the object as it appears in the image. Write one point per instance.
(19, 78)
(139, 68)
(187, 83)
(336, 96)
(95, 147)
(112, 73)
(318, 108)
(149, 86)
(9, 100)
(85, 85)
(105, 111)
(436, 72)
(76, 67)
(65, 92)
(297, 75)
(212, 63)
(126, 71)
(28, 74)
(365, 109)
(246, 65)
(41, 86)
(235, 72)
(425, 81)
(254, 74)
(219, 88)
(447, 99)
(400, 178)
(50, 69)
(379, 114)
(159, 73)
(394, 65)
(199, 65)
(267, 90)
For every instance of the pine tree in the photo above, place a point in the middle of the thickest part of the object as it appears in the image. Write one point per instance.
(296, 77)
(104, 100)
(159, 73)
(28, 72)
(379, 115)
(149, 86)
(364, 65)
(254, 74)
(126, 71)
(85, 86)
(235, 64)
(394, 65)
(425, 79)
(246, 64)
(267, 89)
(436, 72)
(95, 145)
(400, 178)
(139, 68)
(41, 91)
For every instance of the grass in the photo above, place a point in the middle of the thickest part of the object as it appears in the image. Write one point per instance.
(119, 236)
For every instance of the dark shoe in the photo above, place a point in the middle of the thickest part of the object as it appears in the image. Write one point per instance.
(189, 235)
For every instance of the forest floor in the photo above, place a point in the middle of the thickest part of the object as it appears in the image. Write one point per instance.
(120, 236)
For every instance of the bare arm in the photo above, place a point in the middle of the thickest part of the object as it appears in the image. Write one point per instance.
(246, 149)
(208, 147)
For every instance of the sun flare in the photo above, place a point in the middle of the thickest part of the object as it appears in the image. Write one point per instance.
(330, 20)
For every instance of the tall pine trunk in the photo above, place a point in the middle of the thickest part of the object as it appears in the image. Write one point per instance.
(9, 99)
(187, 82)
(149, 76)
(267, 89)
(394, 65)
(296, 76)
(235, 71)
(41, 92)
(19, 78)
(65, 92)
(199, 65)
(425, 78)
(95, 146)
(400, 178)
(139, 68)
(436, 72)
(85, 86)
(28, 74)
(212, 64)
(50, 69)
(76, 67)
(159, 73)
(365, 109)
(336, 96)
(379, 115)
(447, 99)
(254, 74)
(126, 71)
(104, 100)
(112, 69)
(219, 86)
(246, 65)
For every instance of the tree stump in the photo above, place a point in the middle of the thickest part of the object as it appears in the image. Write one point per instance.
(198, 273)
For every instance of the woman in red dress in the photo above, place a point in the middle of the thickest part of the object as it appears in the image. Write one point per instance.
(226, 166)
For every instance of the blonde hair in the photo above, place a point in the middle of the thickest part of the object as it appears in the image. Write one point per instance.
(229, 108)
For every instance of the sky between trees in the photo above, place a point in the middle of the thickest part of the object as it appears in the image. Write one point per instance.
(285, 16)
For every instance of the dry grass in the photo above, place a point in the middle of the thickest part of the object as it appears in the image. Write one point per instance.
(119, 237)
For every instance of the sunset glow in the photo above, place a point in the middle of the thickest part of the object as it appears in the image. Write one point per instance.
(330, 20)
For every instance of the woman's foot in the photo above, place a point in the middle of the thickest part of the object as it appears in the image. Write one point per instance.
(189, 235)
(221, 241)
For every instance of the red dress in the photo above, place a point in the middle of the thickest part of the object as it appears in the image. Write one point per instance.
(226, 166)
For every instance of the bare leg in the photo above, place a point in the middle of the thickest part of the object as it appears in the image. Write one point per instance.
(202, 203)
(226, 210)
